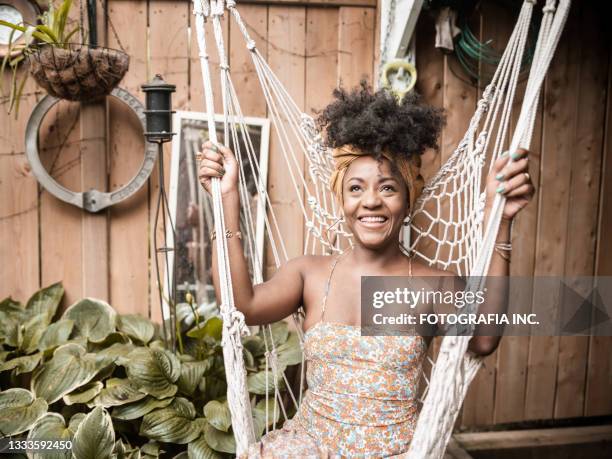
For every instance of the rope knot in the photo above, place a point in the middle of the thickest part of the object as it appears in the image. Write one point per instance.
(224, 67)
(217, 8)
(273, 360)
(234, 323)
(549, 9)
(230, 4)
(251, 45)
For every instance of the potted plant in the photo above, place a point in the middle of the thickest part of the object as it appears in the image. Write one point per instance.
(72, 71)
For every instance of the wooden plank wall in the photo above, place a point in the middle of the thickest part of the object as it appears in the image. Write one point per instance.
(312, 48)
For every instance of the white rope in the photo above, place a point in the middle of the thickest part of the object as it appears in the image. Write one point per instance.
(233, 320)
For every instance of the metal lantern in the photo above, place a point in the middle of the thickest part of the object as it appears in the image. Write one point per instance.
(159, 130)
(159, 109)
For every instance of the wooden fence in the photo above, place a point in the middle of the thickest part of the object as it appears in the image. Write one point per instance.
(312, 45)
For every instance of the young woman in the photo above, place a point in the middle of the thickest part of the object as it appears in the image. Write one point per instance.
(361, 398)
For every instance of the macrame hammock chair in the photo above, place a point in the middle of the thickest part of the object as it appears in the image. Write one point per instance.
(447, 222)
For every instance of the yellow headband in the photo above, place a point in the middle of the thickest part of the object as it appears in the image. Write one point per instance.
(408, 169)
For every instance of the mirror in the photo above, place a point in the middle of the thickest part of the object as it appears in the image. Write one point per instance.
(191, 207)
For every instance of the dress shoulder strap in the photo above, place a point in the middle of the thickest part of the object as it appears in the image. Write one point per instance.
(329, 279)
(328, 285)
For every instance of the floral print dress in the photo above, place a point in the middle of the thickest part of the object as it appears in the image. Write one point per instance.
(361, 399)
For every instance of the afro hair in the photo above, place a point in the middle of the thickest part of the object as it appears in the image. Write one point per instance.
(377, 122)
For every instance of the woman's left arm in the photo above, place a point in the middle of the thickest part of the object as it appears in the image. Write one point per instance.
(512, 180)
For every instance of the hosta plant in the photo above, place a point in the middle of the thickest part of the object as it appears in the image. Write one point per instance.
(107, 383)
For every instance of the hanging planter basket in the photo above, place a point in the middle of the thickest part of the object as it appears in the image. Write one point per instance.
(78, 72)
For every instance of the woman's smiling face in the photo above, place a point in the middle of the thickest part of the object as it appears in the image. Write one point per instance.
(375, 202)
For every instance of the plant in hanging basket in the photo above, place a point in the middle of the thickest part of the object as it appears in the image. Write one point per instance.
(78, 72)
(69, 71)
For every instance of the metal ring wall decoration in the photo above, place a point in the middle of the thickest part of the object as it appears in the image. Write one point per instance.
(92, 200)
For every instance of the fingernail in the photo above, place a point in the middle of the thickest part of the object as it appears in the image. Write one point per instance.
(499, 176)
(504, 154)
(500, 189)
(515, 155)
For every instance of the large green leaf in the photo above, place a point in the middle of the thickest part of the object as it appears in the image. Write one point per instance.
(33, 329)
(12, 316)
(119, 450)
(83, 394)
(93, 319)
(138, 409)
(272, 408)
(70, 368)
(255, 345)
(191, 375)
(55, 334)
(259, 423)
(23, 364)
(118, 392)
(116, 337)
(19, 410)
(46, 301)
(136, 326)
(290, 352)
(249, 360)
(256, 382)
(124, 450)
(220, 441)
(212, 327)
(199, 449)
(280, 332)
(116, 352)
(75, 421)
(151, 449)
(8, 304)
(216, 386)
(154, 371)
(12, 333)
(218, 415)
(174, 424)
(95, 436)
(51, 427)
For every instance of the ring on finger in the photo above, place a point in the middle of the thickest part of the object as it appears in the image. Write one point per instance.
(527, 176)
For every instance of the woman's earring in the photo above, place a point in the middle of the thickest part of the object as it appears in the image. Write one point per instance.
(405, 239)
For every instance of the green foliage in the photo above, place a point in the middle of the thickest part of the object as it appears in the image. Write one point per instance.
(52, 30)
(106, 382)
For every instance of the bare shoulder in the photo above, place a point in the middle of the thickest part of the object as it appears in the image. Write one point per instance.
(309, 264)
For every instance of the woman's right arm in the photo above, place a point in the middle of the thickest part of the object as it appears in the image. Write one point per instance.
(266, 302)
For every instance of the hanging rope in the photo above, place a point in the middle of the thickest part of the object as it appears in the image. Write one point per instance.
(233, 320)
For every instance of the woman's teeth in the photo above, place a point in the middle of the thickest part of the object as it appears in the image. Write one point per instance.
(373, 219)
